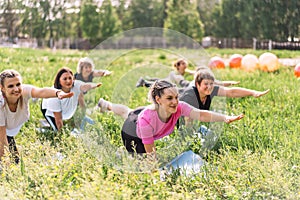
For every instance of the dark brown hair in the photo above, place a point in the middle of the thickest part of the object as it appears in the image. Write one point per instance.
(203, 74)
(60, 72)
(157, 89)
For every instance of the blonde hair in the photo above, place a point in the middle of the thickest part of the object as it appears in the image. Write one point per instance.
(9, 73)
(84, 61)
(178, 62)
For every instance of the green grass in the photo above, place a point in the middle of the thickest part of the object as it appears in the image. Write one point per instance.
(255, 158)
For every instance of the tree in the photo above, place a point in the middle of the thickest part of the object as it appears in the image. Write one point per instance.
(124, 14)
(10, 16)
(90, 21)
(182, 16)
(146, 13)
(206, 8)
(269, 19)
(110, 24)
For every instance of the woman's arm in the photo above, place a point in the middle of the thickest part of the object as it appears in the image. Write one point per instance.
(240, 92)
(150, 151)
(209, 116)
(58, 120)
(88, 86)
(49, 93)
(149, 148)
(81, 100)
(190, 72)
(226, 83)
(99, 73)
(3, 140)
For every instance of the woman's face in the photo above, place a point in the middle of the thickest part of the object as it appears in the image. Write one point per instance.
(66, 81)
(12, 87)
(86, 70)
(169, 100)
(206, 87)
(181, 67)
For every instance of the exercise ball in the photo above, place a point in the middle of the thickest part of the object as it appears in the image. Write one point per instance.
(250, 62)
(297, 70)
(216, 63)
(268, 62)
(235, 61)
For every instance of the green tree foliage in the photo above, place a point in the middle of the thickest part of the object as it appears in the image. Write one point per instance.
(10, 17)
(146, 13)
(44, 19)
(206, 9)
(124, 14)
(89, 20)
(97, 20)
(262, 19)
(110, 24)
(183, 16)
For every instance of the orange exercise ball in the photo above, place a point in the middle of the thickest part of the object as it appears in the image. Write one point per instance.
(216, 63)
(250, 62)
(235, 61)
(268, 62)
(297, 70)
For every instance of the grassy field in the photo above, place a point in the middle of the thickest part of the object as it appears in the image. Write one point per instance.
(255, 158)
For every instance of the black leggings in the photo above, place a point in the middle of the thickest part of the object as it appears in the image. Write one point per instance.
(131, 141)
(50, 120)
(13, 149)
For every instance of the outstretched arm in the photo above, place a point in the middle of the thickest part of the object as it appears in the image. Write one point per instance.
(191, 72)
(49, 93)
(240, 92)
(3, 140)
(209, 116)
(226, 83)
(88, 86)
(58, 120)
(99, 73)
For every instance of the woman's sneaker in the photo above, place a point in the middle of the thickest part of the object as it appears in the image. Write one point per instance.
(103, 105)
(140, 83)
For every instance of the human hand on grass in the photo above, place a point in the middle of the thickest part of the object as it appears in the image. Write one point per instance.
(257, 94)
(229, 119)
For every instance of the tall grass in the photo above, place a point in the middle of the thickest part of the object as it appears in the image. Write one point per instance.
(255, 158)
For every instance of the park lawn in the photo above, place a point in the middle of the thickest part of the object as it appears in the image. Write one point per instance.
(255, 158)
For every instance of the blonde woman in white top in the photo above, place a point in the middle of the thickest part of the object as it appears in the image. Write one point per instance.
(14, 107)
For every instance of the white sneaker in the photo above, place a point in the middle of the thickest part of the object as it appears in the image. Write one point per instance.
(75, 133)
(103, 105)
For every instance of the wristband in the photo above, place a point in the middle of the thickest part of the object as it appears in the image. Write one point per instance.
(57, 93)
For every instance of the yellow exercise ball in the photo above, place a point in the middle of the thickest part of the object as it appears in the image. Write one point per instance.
(250, 63)
(268, 62)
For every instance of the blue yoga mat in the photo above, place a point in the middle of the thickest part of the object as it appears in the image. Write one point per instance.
(188, 163)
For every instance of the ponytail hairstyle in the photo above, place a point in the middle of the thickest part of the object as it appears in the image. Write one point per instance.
(157, 89)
